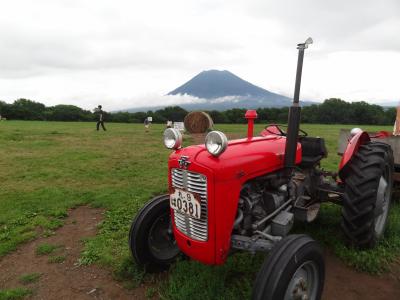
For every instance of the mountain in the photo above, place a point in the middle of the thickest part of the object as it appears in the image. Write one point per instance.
(222, 90)
(214, 84)
(388, 104)
(225, 90)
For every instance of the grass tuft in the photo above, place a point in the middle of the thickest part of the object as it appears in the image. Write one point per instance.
(57, 259)
(150, 292)
(45, 249)
(14, 294)
(29, 278)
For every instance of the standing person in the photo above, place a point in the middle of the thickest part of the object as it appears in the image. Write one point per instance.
(101, 118)
(146, 124)
(397, 123)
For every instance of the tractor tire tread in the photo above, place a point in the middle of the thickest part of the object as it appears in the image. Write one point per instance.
(361, 184)
(267, 283)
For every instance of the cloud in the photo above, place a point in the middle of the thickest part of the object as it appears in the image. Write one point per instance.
(154, 100)
(336, 24)
(117, 52)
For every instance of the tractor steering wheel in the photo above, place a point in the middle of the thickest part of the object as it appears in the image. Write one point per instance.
(303, 133)
(277, 130)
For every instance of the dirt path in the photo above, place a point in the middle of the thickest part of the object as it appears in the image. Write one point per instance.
(66, 280)
(345, 283)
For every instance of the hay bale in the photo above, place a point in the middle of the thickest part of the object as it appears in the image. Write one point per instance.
(198, 122)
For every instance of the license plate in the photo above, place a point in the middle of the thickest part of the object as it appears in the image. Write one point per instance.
(186, 203)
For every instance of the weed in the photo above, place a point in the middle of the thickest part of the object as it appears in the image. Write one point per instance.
(45, 249)
(48, 233)
(29, 278)
(14, 294)
(58, 259)
(150, 292)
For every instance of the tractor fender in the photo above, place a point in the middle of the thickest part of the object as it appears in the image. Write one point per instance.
(351, 149)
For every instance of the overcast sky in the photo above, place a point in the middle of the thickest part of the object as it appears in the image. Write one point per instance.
(126, 54)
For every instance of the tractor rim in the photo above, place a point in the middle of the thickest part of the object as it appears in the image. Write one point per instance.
(161, 241)
(382, 203)
(304, 283)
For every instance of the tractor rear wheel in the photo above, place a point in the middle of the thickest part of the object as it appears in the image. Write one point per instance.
(368, 194)
(151, 239)
(294, 269)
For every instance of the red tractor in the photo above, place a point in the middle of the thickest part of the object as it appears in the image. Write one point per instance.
(245, 194)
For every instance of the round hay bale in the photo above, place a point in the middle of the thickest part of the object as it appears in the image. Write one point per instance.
(198, 122)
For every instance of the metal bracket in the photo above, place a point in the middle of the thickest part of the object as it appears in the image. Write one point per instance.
(251, 244)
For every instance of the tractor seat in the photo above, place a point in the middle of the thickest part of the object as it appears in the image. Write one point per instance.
(313, 150)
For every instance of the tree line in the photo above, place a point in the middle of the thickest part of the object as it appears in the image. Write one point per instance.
(329, 112)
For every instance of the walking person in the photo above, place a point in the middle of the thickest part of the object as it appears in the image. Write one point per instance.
(146, 124)
(101, 118)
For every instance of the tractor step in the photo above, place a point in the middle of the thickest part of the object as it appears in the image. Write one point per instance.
(305, 210)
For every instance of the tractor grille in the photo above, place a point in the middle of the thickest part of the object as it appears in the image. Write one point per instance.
(196, 229)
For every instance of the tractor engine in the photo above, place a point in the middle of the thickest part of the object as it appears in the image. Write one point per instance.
(258, 199)
(268, 205)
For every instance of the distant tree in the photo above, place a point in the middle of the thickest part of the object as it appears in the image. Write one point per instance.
(263, 115)
(334, 110)
(390, 115)
(218, 116)
(157, 118)
(364, 113)
(311, 114)
(122, 117)
(331, 111)
(140, 116)
(64, 112)
(236, 115)
(172, 113)
(5, 110)
(24, 109)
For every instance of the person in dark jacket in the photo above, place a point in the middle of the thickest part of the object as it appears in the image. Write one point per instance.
(101, 118)
(146, 124)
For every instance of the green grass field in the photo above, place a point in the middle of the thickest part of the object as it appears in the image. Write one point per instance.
(48, 167)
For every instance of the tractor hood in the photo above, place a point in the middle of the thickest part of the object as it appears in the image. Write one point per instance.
(242, 158)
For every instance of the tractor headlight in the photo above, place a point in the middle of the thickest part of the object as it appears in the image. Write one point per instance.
(216, 142)
(172, 138)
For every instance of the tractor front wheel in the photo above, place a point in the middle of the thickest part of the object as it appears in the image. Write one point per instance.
(151, 239)
(294, 269)
(367, 196)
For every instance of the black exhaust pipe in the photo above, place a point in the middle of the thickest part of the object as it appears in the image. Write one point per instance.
(295, 111)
